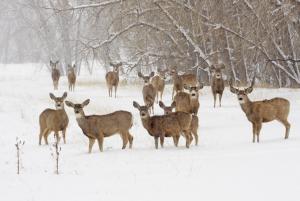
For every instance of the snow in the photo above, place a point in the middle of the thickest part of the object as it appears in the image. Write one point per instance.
(225, 166)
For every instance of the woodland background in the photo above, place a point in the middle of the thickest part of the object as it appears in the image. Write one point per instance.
(250, 37)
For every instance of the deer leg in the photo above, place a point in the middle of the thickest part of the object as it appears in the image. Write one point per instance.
(187, 138)
(220, 99)
(196, 137)
(156, 142)
(100, 141)
(91, 143)
(116, 91)
(215, 97)
(46, 136)
(42, 133)
(130, 138)
(125, 140)
(253, 132)
(258, 127)
(162, 139)
(175, 141)
(287, 127)
(64, 135)
(56, 134)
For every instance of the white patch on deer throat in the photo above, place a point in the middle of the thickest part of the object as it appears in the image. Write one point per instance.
(78, 115)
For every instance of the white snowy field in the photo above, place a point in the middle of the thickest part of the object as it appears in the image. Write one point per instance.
(225, 165)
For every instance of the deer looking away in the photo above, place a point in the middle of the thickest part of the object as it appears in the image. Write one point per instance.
(188, 102)
(55, 73)
(158, 82)
(194, 123)
(149, 92)
(161, 126)
(217, 83)
(97, 127)
(112, 78)
(179, 81)
(54, 120)
(259, 112)
(71, 77)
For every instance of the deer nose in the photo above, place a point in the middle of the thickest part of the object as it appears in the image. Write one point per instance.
(240, 98)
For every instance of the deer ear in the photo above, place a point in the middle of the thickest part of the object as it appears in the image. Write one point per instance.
(186, 87)
(74, 66)
(222, 66)
(173, 105)
(161, 104)
(140, 74)
(56, 62)
(86, 102)
(136, 105)
(249, 90)
(232, 89)
(69, 66)
(52, 96)
(51, 63)
(69, 104)
(151, 74)
(212, 67)
(201, 85)
(64, 95)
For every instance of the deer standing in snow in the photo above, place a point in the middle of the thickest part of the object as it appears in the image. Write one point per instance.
(259, 112)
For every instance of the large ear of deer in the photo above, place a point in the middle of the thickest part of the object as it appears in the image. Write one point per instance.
(64, 96)
(222, 66)
(86, 102)
(232, 89)
(140, 74)
(201, 85)
(69, 104)
(136, 105)
(250, 89)
(151, 74)
(52, 96)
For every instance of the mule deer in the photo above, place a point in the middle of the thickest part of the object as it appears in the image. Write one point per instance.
(97, 127)
(54, 120)
(179, 81)
(158, 82)
(162, 126)
(149, 91)
(188, 102)
(71, 77)
(217, 84)
(259, 112)
(55, 73)
(112, 78)
(194, 123)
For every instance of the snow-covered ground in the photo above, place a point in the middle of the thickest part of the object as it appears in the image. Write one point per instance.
(225, 166)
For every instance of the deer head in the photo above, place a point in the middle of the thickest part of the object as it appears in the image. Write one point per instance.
(194, 90)
(167, 109)
(242, 94)
(78, 108)
(59, 101)
(144, 110)
(162, 73)
(116, 66)
(54, 65)
(217, 71)
(146, 78)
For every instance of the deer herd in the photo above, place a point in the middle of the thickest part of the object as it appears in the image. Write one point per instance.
(179, 119)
